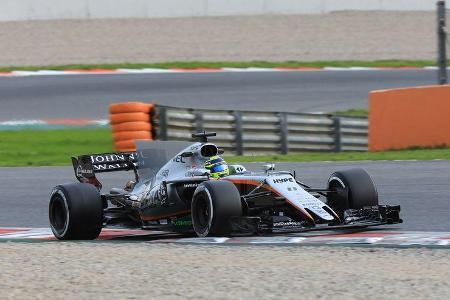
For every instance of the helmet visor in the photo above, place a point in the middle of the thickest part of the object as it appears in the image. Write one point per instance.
(219, 168)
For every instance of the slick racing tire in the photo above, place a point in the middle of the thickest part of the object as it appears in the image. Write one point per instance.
(356, 190)
(213, 204)
(76, 212)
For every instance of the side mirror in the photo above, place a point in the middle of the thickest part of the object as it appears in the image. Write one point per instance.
(269, 167)
(187, 154)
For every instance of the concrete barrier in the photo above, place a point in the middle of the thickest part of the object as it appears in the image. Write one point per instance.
(23, 10)
(402, 118)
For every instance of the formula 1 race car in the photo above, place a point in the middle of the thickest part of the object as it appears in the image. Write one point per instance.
(173, 190)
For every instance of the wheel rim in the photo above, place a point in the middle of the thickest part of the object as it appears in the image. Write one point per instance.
(339, 205)
(201, 214)
(58, 214)
(334, 185)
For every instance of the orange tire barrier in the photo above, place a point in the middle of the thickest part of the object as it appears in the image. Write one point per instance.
(403, 118)
(131, 126)
(127, 150)
(127, 144)
(131, 135)
(130, 121)
(128, 117)
(129, 107)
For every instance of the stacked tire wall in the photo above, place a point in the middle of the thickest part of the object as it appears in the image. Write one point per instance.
(130, 121)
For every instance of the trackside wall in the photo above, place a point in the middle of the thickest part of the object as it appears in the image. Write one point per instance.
(402, 118)
(24, 10)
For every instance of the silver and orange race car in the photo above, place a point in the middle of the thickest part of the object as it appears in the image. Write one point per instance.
(173, 191)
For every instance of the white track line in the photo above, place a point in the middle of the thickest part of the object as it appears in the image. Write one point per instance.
(200, 70)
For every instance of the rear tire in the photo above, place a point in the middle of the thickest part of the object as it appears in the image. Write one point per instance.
(361, 190)
(213, 204)
(76, 212)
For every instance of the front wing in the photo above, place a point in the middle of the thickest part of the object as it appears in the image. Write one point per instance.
(353, 219)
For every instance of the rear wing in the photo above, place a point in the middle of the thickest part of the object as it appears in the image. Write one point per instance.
(86, 166)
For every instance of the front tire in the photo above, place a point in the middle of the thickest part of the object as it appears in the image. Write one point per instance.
(359, 187)
(76, 212)
(213, 204)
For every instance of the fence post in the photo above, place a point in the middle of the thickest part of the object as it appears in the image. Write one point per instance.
(162, 118)
(284, 149)
(442, 39)
(199, 121)
(238, 132)
(337, 134)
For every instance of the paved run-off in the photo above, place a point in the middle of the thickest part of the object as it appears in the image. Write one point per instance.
(57, 270)
(370, 35)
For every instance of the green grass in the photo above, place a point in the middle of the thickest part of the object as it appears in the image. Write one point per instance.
(55, 147)
(353, 113)
(419, 154)
(261, 64)
(50, 147)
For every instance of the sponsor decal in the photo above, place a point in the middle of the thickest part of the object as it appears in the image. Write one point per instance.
(165, 173)
(283, 180)
(111, 158)
(182, 222)
(191, 185)
(109, 167)
(189, 174)
(179, 159)
(156, 196)
(287, 224)
(239, 169)
(161, 195)
(81, 172)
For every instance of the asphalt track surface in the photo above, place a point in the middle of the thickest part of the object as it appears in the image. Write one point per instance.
(87, 96)
(420, 187)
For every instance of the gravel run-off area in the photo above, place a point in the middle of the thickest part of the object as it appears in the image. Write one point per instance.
(349, 35)
(110, 270)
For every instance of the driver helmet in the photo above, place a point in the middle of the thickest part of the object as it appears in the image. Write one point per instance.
(217, 167)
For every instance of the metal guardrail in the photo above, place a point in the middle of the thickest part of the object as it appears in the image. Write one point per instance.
(245, 132)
